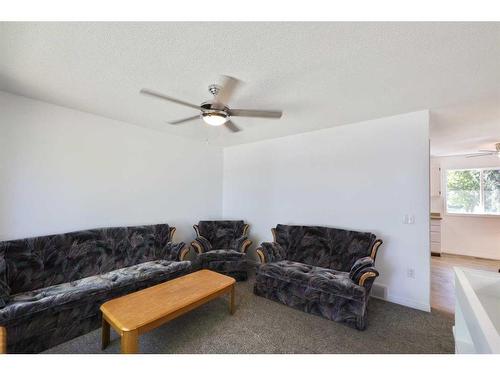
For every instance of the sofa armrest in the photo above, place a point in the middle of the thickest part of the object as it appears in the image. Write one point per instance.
(241, 244)
(201, 245)
(183, 253)
(363, 270)
(175, 251)
(3, 340)
(366, 277)
(270, 252)
(376, 245)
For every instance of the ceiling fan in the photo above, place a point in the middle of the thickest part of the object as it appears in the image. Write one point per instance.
(486, 152)
(216, 112)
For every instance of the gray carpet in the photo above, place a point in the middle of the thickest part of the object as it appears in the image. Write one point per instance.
(263, 326)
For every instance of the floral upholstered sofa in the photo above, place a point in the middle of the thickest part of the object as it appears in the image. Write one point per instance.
(323, 271)
(221, 246)
(51, 287)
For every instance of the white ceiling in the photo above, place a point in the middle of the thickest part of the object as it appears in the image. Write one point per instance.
(465, 129)
(320, 74)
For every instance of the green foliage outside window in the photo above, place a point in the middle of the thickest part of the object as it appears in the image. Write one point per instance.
(473, 191)
(491, 178)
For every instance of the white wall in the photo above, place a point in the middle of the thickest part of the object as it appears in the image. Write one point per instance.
(64, 170)
(364, 176)
(466, 235)
(435, 180)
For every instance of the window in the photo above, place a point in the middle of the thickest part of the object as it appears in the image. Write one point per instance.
(473, 191)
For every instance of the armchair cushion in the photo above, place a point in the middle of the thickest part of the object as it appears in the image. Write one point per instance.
(314, 278)
(272, 251)
(220, 233)
(226, 261)
(223, 254)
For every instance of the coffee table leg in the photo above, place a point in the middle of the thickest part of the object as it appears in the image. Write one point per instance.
(3, 340)
(105, 332)
(130, 342)
(231, 301)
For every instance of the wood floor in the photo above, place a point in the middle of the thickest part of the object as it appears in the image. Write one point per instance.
(442, 278)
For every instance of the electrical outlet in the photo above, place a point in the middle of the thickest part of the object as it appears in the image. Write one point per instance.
(408, 219)
(410, 273)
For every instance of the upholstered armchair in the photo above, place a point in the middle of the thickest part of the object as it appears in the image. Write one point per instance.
(323, 271)
(222, 246)
(362, 272)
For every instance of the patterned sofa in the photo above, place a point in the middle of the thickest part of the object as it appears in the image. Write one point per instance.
(51, 287)
(221, 246)
(323, 271)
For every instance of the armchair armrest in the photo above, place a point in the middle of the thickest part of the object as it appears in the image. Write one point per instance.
(363, 272)
(376, 245)
(270, 252)
(3, 340)
(201, 245)
(174, 251)
(241, 244)
(367, 277)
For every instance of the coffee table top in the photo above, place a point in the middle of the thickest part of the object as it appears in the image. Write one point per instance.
(145, 308)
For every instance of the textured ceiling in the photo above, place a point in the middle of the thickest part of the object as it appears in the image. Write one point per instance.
(465, 129)
(320, 74)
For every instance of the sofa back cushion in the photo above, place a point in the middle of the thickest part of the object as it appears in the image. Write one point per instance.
(40, 262)
(221, 233)
(332, 248)
(4, 287)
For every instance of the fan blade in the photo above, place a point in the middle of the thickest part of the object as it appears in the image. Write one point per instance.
(255, 113)
(177, 122)
(476, 155)
(231, 126)
(227, 89)
(170, 99)
(487, 150)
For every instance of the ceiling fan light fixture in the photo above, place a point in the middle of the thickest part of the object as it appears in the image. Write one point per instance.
(215, 118)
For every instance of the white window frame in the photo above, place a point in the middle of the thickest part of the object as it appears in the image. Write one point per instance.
(481, 193)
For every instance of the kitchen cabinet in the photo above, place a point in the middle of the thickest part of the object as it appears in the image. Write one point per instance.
(435, 234)
(435, 180)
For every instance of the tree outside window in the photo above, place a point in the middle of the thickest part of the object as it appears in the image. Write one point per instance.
(491, 191)
(473, 191)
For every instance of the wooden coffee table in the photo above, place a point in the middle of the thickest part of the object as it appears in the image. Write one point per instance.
(142, 311)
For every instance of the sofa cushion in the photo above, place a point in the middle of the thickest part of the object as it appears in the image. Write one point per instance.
(29, 303)
(39, 262)
(221, 233)
(324, 247)
(4, 287)
(318, 278)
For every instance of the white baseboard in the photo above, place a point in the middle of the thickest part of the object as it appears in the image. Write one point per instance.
(381, 292)
(406, 302)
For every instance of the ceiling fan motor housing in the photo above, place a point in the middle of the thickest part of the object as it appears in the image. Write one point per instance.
(214, 89)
